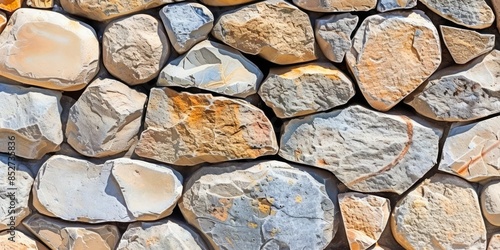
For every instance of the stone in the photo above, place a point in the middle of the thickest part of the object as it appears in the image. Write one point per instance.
(10, 5)
(21, 242)
(105, 119)
(494, 242)
(275, 30)
(465, 45)
(440, 213)
(63, 235)
(188, 129)
(496, 8)
(40, 4)
(135, 48)
(186, 24)
(30, 121)
(368, 151)
(336, 6)
(388, 5)
(3, 21)
(461, 93)
(490, 202)
(37, 44)
(333, 34)
(305, 89)
(214, 67)
(475, 14)
(365, 217)
(120, 190)
(226, 2)
(258, 206)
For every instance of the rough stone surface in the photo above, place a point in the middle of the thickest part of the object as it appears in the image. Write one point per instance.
(368, 151)
(305, 89)
(10, 5)
(226, 2)
(121, 190)
(465, 45)
(276, 30)
(333, 34)
(336, 6)
(215, 67)
(135, 48)
(388, 5)
(474, 14)
(21, 242)
(441, 213)
(105, 119)
(496, 7)
(40, 4)
(494, 242)
(3, 21)
(461, 93)
(392, 54)
(187, 129)
(490, 202)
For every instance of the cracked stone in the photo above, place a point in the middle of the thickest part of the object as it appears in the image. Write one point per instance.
(336, 6)
(465, 45)
(490, 202)
(21, 242)
(474, 14)
(333, 34)
(388, 5)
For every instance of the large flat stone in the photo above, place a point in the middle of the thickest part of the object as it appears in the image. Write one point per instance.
(335, 5)
(465, 45)
(333, 34)
(474, 14)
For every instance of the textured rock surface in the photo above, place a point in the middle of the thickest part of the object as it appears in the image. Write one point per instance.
(276, 30)
(385, 76)
(3, 21)
(305, 89)
(465, 45)
(333, 34)
(40, 4)
(225, 2)
(10, 5)
(368, 151)
(336, 6)
(388, 5)
(105, 119)
(441, 213)
(494, 242)
(120, 190)
(215, 67)
(187, 129)
(21, 242)
(474, 14)
(135, 48)
(35, 39)
(490, 202)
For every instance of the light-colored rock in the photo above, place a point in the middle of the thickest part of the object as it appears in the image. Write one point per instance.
(276, 30)
(135, 48)
(490, 202)
(368, 151)
(215, 67)
(105, 119)
(441, 213)
(40, 4)
(3, 20)
(392, 54)
(226, 2)
(333, 34)
(388, 5)
(30, 121)
(47, 49)
(465, 45)
(474, 14)
(335, 5)
(494, 242)
(20, 242)
(305, 89)
(496, 8)
(10, 5)
(461, 93)
(187, 129)
(121, 190)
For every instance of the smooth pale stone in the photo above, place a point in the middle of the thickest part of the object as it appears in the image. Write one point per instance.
(30, 116)
(392, 54)
(494, 242)
(461, 93)
(441, 213)
(47, 49)
(474, 14)
(388, 5)
(335, 5)
(465, 45)
(40, 4)
(10, 5)
(61, 235)
(226, 2)
(260, 205)
(106, 118)
(3, 21)
(276, 30)
(187, 129)
(365, 217)
(490, 202)
(333, 34)
(368, 151)
(20, 242)
(305, 89)
(214, 67)
(135, 48)
(121, 190)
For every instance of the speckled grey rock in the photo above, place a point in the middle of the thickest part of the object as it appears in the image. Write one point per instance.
(474, 14)
(333, 34)
(388, 5)
(490, 202)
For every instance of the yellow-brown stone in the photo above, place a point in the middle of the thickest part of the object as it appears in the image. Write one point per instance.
(10, 5)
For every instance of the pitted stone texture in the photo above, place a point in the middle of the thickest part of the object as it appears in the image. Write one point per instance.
(490, 202)
(187, 129)
(461, 93)
(40, 4)
(226, 2)
(121, 190)
(368, 151)
(21, 242)
(3, 21)
(496, 7)
(388, 5)
(474, 14)
(215, 67)
(259, 207)
(465, 45)
(335, 5)
(494, 242)
(10, 5)
(333, 34)
(441, 213)
(135, 48)
(105, 119)
(31, 118)
(37, 44)
(305, 89)
(276, 30)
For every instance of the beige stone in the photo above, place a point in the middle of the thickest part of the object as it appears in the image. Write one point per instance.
(496, 8)
(20, 241)
(465, 45)
(333, 34)
(474, 14)
(490, 202)
(40, 4)
(10, 5)
(388, 5)
(226, 2)
(335, 5)
(3, 20)
(494, 242)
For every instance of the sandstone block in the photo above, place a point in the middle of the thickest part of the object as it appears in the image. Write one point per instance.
(490, 202)
(10, 5)
(3, 20)
(465, 45)
(336, 6)
(388, 5)
(333, 34)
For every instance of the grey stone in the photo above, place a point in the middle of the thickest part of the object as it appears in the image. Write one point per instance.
(474, 14)
(388, 5)
(333, 34)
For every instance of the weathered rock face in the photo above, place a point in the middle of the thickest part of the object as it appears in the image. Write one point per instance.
(40, 4)
(259, 207)
(105, 119)
(121, 190)
(465, 45)
(135, 48)
(333, 34)
(336, 6)
(368, 151)
(35, 39)
(215, 67)
(496, 7)
(21, 242)
(441, 213)
(226, 2)
(3, 21)
(494, 242)
(10, 5)
(276, 30)
(305, 89)
(490, 202)
(388, 5)
(385, 76)
(461, 93)
(474, 14)
(187, 129)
